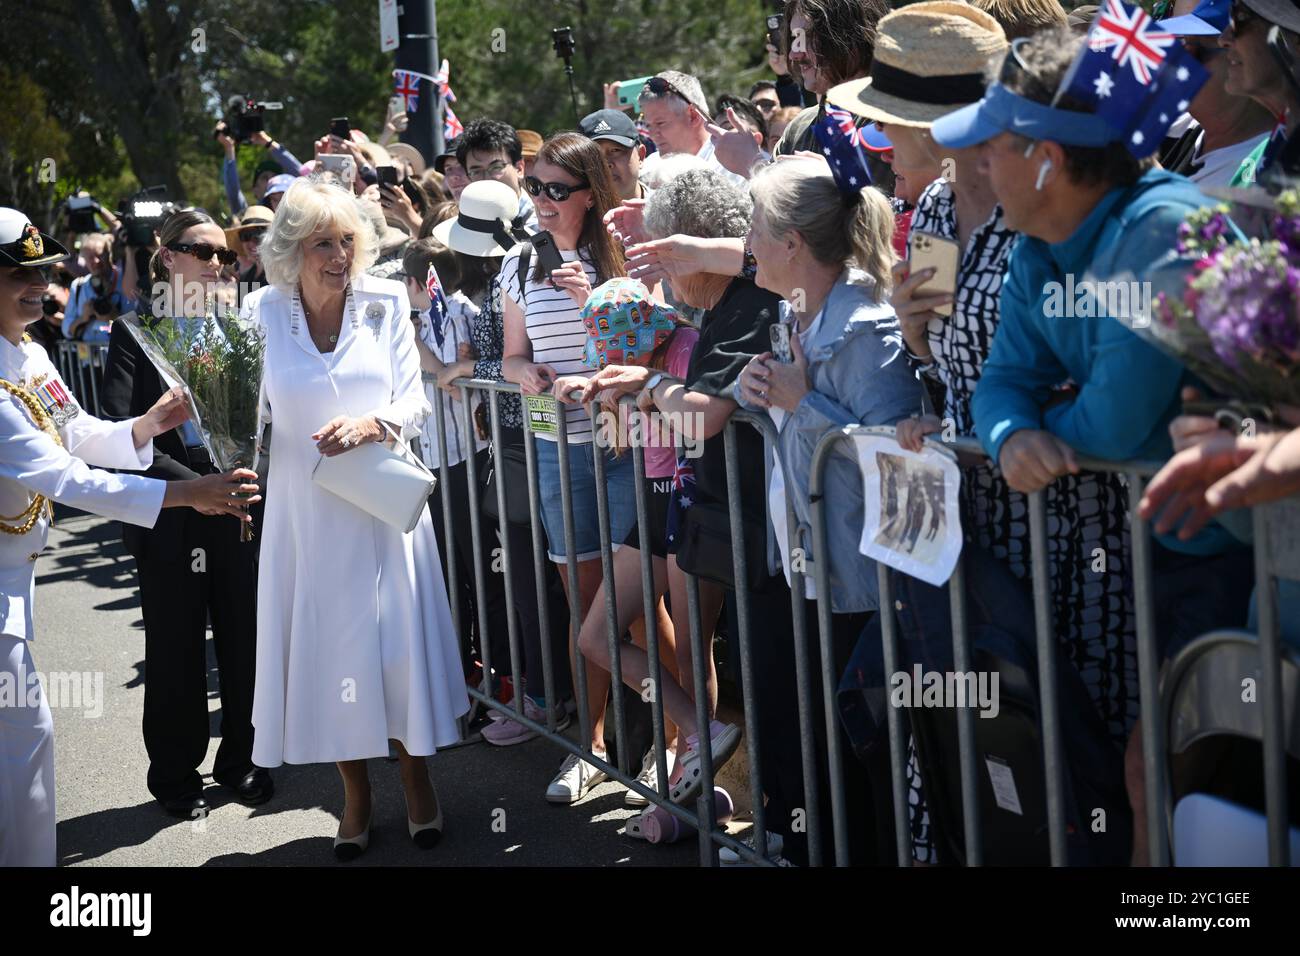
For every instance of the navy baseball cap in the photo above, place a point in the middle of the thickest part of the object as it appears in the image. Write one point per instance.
(613, 125)
(1208, 19)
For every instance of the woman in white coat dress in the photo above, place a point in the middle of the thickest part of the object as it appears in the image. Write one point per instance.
(46, 440)
(355, 645)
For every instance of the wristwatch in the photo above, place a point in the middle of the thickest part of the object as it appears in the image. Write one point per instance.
(651, 382)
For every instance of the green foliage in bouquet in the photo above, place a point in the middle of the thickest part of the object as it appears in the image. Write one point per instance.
(220, 363)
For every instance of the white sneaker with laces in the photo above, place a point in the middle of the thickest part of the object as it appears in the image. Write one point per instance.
(575, 779)
(648, 777)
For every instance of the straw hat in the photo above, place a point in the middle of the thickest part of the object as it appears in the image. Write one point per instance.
(530, 141)
(254, 217)
(482, 224)
(411, 155)
(930, 59)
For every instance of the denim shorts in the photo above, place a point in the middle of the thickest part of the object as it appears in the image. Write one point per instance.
(620, 486)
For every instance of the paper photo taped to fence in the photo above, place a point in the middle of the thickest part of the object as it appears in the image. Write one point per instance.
(911, 517)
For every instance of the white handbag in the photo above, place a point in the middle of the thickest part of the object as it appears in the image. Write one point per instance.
(390, 484)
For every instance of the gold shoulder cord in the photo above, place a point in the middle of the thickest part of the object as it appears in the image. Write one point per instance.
(32, 513)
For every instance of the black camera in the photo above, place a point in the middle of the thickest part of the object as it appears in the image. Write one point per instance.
(562, 38)
(244, 117)
(144, 213)
(50, 305)
(103, 301)
(81, 213)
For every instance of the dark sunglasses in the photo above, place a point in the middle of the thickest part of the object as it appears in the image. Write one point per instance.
(556, 192)
(661, 87)
(204, 251)
(251, 235)
(1239, 15)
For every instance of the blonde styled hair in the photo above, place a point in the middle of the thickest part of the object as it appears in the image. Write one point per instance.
(309, 205)
(799, 195)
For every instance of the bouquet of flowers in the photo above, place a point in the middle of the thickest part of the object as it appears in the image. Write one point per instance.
(219, 361)
(1234, 319)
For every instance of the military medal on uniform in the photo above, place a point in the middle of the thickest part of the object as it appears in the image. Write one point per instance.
(54, 398)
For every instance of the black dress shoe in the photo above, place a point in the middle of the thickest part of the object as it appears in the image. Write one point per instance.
(256, 787)
(189, 807)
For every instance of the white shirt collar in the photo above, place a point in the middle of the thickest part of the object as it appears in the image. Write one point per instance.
(12, 359)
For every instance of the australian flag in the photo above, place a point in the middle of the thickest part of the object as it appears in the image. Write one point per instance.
(408, 88)
(680, 500)
(437, 304)
(1136, 77)
(844, 145)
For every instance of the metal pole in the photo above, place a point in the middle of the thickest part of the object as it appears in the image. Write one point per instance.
(1053, 756)
(418, 28)
(1270, 692)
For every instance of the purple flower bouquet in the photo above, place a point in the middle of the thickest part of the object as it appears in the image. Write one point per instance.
(1234, 318)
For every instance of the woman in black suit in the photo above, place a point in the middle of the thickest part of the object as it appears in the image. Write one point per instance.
(193, 567)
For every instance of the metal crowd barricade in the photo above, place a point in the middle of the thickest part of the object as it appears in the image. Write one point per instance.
(81, 366)
(702, 817)
(1270, 565)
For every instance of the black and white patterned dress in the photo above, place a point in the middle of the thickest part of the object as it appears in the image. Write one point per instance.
(1092, 609)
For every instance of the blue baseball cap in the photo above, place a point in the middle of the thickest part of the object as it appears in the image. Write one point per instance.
(1001, 111)
(1208, 19)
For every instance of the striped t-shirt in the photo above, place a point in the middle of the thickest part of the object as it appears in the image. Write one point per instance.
(555, 330)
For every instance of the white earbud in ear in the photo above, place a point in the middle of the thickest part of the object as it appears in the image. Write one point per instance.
(1043, 170)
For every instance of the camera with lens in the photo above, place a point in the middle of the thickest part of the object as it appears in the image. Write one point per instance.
(103, 301)
(144, 213)
(50, 305)
(81, 213)
(244, 117)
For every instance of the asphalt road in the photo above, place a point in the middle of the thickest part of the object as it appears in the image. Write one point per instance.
(88, 623)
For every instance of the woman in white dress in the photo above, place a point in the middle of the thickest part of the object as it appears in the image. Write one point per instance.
(355, 644)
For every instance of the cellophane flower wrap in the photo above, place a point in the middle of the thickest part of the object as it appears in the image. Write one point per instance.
(219, 361)
(1234, 316)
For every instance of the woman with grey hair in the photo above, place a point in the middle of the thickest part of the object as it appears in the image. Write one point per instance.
(825, 248)
(702, 205)
(356, 649)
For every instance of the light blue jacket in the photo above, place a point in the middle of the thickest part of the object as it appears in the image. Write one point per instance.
(1128, 389)
(858, 376)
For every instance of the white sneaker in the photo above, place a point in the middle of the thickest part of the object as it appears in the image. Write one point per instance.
(575, 780)
(648, 778)
(775, 844)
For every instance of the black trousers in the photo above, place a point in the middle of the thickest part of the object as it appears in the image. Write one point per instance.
(780, 749)
(464, 600)
(214, 576)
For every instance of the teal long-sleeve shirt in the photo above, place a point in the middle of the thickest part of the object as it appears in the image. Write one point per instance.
(1128, 389)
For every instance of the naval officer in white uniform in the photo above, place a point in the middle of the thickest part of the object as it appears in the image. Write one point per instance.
(46, 441)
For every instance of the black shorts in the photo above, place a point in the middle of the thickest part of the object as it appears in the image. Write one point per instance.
(657, 493)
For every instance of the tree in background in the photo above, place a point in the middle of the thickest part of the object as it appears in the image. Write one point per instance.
(124, 93)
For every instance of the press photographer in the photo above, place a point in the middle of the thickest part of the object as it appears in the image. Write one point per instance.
(243, 124)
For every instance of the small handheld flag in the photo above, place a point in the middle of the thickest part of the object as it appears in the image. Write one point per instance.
(408, 88)
(1134, 76)
(437, 303)
(844, 146)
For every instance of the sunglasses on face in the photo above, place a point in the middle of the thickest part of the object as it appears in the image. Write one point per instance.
(556, 192)
(764, 106)
(204, 251)
(252, 235)
(1239, 15)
